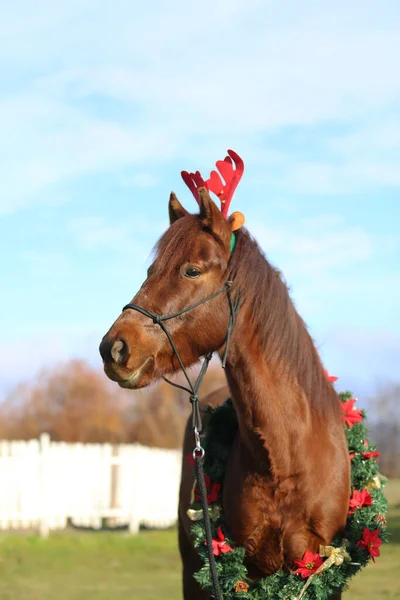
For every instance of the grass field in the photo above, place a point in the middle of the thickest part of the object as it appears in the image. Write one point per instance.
(104, 566)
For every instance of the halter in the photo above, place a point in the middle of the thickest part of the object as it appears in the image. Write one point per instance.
(159, 320)
(198, 452)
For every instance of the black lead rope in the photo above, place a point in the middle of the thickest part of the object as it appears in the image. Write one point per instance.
(207, 524)
(198, 452)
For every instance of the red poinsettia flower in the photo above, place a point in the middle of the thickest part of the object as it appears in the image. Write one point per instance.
(308, 564)
(330, 378)
(219, 544)
(371, 454)
(212, 490)
(371, 541)
(350, 415)
(212, 496)
(368, 455)
(359, 499)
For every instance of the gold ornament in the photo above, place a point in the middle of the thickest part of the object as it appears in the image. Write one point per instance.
(241, 586)
(380, 519)
(196, 515)
(336, 556)
(374, 483)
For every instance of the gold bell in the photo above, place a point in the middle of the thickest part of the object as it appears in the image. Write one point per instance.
(374, 483)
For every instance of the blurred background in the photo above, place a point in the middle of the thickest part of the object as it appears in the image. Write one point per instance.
(101, 106)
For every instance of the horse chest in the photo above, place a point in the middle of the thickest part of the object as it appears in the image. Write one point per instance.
(252, 511)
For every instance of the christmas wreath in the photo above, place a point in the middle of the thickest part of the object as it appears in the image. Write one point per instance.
(317, 576)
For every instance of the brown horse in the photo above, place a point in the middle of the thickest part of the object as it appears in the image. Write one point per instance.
(287, 483)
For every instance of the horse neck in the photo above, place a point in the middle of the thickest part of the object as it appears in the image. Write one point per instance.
(275, 375)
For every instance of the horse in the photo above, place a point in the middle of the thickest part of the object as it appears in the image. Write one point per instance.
(287, 481)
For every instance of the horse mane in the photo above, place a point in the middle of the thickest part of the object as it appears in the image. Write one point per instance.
(279, 328)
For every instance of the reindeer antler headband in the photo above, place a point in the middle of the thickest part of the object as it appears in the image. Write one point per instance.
(215, 183)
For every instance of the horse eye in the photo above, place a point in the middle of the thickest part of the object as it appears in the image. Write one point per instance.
(191, 272)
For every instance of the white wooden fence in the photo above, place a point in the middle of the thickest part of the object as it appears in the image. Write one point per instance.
(45, 484)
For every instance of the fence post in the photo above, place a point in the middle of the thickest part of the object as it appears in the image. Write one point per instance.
(134, 522)
(114, 482)
(44, 446)
(134, 519)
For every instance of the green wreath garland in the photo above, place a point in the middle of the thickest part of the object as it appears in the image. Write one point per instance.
(317, 578)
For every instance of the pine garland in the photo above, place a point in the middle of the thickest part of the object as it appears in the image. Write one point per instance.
(365, 521)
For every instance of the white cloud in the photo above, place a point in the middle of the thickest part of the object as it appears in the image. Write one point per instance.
(329, 267)
(123, 236)
(372, 137)
(306, 95)
(171, 77)
(356, 175)
(24, 355)
(45, 142)
(356, 349)
(311, 248)
(34, 351)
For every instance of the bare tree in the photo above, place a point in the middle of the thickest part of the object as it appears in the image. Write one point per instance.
(384, 426)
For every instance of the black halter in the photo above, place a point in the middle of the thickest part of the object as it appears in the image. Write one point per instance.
(159, 320)
(198, 452)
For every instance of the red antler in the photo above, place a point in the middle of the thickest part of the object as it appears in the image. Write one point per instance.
(214, 183)
(230, 176)
(194, 181)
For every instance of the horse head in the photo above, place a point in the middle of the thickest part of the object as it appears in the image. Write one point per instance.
(191, 264)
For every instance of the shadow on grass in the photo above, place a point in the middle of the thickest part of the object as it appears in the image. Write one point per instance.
(105, 527)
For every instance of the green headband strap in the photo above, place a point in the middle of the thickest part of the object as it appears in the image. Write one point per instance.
(233, 242)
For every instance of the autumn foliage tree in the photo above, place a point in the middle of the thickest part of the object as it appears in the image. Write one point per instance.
(76, 403)
(72, 402)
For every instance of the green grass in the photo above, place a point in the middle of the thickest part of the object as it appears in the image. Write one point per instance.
(113, 566)
(90, 566)
(381, 581)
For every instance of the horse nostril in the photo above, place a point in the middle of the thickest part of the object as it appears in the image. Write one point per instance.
(105, 348)
(120, 351)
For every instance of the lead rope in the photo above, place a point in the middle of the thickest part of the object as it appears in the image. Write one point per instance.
(197, 426)
(199, 461)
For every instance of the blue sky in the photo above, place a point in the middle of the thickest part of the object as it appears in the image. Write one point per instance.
(102, 105)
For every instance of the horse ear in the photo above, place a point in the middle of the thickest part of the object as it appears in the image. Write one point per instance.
(212, 218)
(175, 209)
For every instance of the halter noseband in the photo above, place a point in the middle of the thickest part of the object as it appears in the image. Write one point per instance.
(159, 320)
